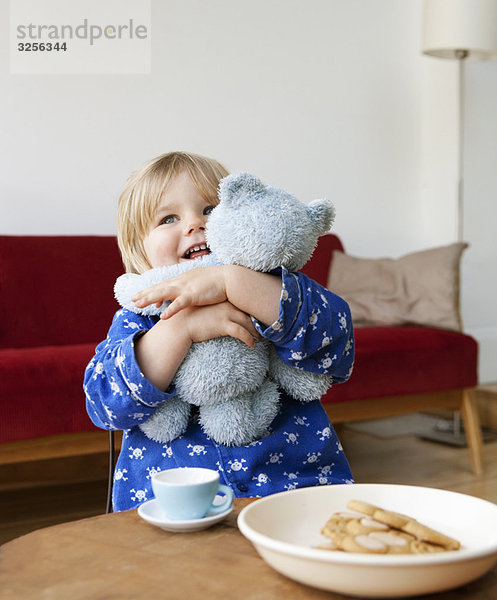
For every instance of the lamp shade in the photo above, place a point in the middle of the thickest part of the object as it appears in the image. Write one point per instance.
(452, 26)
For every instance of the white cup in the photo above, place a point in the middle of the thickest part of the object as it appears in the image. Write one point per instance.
(188, 493)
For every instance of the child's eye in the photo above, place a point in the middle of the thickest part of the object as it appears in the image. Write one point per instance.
(169, 219)
(208, 210)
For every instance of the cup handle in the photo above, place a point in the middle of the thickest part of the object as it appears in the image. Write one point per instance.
(218, 508)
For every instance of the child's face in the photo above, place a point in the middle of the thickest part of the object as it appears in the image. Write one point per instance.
(178, 224)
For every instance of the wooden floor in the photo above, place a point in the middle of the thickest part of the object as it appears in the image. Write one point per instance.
(409, 460)
(60, 492)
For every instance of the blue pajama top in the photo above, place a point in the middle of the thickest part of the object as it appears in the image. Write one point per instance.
(313, 332)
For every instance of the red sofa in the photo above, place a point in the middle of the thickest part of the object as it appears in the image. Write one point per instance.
(56, 302)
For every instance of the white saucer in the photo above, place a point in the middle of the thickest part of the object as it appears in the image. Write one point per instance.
(152, 513)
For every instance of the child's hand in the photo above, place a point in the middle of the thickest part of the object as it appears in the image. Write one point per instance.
(197, 287)
(216, 320)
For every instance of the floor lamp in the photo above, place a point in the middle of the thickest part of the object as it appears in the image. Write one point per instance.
(460, 30)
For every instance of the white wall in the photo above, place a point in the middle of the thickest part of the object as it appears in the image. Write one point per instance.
(324, 97)
(479, 269)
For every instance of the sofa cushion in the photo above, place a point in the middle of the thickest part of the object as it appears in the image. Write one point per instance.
(318, 266)
(393, 361)
(56, 289)
(421, 288)
(42, 391)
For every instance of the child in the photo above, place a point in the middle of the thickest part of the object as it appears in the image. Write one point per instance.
(162, 217)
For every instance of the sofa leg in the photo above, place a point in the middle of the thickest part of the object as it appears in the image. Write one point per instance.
(469, 412)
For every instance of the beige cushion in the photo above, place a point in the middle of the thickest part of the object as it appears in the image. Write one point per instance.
(421, 288)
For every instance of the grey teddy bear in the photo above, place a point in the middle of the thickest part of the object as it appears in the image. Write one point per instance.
(236, 387)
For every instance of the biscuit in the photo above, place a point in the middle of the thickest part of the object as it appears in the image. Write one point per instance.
(396, 541)
(420, 547)
(384, 516)
(426, 534)
(391, 518)
(385, 542)
(336, 526)
(415, 528)
(365, 525)
(362, 507)
(405, 523)
(383, 532)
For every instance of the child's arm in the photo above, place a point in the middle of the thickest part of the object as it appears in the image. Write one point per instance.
(310, 326)
(313, 331)
(254, 293)
(127, 378)
(177, 334)
(118, 395)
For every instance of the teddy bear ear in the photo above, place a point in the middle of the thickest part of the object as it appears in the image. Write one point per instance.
(234, 185)
(322, 213)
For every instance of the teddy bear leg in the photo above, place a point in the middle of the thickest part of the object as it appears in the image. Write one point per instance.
(230, 423)
(302, 385)
(168, 422)
(220, 369)
(242, 420)
(265, 406)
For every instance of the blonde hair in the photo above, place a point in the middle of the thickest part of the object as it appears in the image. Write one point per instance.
(143, 192)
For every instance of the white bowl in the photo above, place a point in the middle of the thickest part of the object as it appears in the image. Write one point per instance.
(285, 528)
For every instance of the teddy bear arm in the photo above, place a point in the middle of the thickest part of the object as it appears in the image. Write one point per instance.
(129, 284)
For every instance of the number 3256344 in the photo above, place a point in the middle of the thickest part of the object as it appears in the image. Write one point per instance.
(41, 46)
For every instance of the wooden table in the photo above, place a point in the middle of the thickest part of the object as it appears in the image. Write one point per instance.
(120, 556)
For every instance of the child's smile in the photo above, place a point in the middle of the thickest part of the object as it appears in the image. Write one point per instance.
(196, 252)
